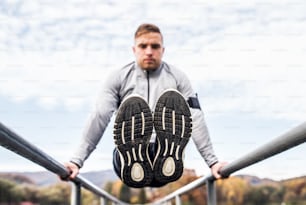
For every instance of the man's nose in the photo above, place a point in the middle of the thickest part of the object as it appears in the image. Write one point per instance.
(149, 50)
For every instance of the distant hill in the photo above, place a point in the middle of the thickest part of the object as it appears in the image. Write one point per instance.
(100, 178)
(45, 178)
(238, 189)
(256, 181)
(16, 177)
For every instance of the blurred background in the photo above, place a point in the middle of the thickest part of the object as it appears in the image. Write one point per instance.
(246, 61)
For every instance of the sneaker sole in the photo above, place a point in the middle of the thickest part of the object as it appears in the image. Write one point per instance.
(132, 131)
(172, 121)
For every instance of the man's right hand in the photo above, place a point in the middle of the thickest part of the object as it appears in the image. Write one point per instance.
(72, 168)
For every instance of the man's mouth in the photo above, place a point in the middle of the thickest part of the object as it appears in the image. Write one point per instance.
(150, 60)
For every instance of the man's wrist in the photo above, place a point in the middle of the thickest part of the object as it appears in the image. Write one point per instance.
(73, 162)
(210, 166)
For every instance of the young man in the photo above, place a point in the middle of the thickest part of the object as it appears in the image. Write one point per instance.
(149, 145)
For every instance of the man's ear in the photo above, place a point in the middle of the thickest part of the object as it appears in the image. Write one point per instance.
(133, 48)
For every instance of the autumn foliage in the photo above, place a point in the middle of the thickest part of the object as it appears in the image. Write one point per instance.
(236, 190)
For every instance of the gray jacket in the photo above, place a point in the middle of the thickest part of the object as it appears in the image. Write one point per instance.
(131, 79)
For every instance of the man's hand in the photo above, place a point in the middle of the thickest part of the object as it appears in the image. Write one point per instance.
(73, 169)
(216, 168)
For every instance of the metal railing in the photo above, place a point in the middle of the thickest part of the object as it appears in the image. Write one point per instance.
(15, 143)
(290, 139)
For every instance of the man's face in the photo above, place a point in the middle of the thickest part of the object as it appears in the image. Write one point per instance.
(148, 50)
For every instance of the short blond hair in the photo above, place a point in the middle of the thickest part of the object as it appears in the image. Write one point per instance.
(147, 28)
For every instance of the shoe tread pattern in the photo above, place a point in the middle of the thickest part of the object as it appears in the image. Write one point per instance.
(133, 149)
(171, 144)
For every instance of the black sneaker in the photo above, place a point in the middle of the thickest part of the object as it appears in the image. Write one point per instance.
(172, 122)
(132, 132)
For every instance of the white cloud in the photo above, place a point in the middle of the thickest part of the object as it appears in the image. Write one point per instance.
(59, 53)
(271, 70)
(258, 62)
(60, 78)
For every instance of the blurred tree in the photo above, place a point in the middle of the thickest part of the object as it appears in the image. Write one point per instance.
(295, 190)
(8, 192)
(89, 198)
(125, 193)
(109, 188)
(232, 190)
(58, 194)
(142, 198)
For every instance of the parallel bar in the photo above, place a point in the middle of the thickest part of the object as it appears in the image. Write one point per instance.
(98, 191)
(290, 139)
(192, 185)
(294, 137)
(15, 143)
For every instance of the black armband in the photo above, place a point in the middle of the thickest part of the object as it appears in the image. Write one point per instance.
(193, 102)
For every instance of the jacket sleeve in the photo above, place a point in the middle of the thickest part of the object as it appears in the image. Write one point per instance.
(201, 137)
(200, 134)
(107, 103)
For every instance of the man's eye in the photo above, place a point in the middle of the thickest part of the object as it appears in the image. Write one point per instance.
(155, 46)
(143, 46)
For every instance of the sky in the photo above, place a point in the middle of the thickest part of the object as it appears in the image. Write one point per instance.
(246, 61)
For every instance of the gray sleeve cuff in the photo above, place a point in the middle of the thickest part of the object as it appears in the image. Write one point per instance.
(77, 162)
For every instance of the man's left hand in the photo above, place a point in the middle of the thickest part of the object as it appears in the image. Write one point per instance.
(216, 168)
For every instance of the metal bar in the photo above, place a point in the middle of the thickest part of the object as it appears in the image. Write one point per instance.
(192, 185)
(280, 144)
(102, 201)
(95, 189)
(211, 193)
(290, 139)
(75, 194)
(15, 143)
(12, 141)
(178, 200)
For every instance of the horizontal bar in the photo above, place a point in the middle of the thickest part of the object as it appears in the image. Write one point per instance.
(192, 185)
(290, 139)
(15, 143)
(98, 191)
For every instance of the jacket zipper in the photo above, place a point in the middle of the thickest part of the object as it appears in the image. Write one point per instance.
(148, 80)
